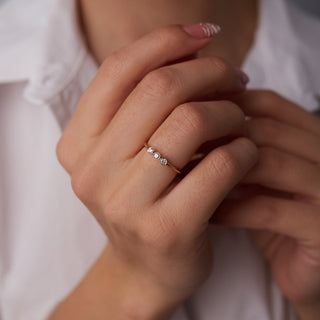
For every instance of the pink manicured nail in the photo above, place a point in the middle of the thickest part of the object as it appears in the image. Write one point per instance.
(202, 30)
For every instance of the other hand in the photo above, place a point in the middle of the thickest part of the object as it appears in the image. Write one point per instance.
(279, 200)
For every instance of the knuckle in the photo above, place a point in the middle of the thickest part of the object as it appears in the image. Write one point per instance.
(84, 183)
(190, 119)
(218, 64)
(160, 82)
(66, 153)
(61, 151)
(234, 110)
(79, 183)
(249, 148)
(114, 64)
(224, 163)
(167, 36)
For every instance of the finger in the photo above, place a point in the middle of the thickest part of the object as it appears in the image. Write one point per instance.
(122, 70)
(266, 132)
(202, 190)
(282, 171)
(288, 217)
(116, 78)
(245, 191)
(159, 93)
(179, 137)
(264, 103)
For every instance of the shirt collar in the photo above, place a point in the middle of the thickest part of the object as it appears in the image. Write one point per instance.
(64, 56)
(42, 44)
(50, 54)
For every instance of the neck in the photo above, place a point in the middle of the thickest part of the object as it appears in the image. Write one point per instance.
(109, 24)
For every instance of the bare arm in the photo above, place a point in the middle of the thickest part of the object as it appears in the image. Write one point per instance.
(111, 290)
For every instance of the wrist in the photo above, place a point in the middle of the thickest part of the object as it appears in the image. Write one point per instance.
(138, 296)
(111, 290)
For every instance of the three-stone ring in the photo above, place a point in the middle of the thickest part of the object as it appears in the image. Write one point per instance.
(163, 160)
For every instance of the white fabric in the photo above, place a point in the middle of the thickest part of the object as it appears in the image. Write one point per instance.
(48, 239)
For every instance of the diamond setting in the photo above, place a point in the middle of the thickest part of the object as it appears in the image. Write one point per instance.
(156, 155)
(163, 161)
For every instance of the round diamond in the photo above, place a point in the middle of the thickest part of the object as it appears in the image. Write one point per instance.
(150, 150)
(163, 161)
(156, 155)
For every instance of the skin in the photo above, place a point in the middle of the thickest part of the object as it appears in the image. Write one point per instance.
(130, 20)
(154, 260)
(279, 200)
(160, 259)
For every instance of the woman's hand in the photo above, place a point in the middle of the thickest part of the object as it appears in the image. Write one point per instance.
(280, 197)
(157, 223)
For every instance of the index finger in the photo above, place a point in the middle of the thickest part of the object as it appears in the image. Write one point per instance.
(122, 70)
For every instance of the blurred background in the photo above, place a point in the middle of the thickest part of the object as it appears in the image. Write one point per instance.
(312, 6)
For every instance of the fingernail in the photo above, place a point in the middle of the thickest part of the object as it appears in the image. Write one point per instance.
(244, 78)
(202, 30)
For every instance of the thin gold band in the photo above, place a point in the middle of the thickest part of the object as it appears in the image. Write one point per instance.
(163, 160)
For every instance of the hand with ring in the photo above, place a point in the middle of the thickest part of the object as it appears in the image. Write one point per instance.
(157, 223)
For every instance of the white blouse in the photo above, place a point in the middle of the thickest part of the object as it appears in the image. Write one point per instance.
(48, 239)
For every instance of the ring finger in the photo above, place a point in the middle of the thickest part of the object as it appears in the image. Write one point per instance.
(159, 93)
(179, 137)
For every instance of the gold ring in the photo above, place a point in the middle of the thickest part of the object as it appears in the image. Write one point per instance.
(163, 160)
